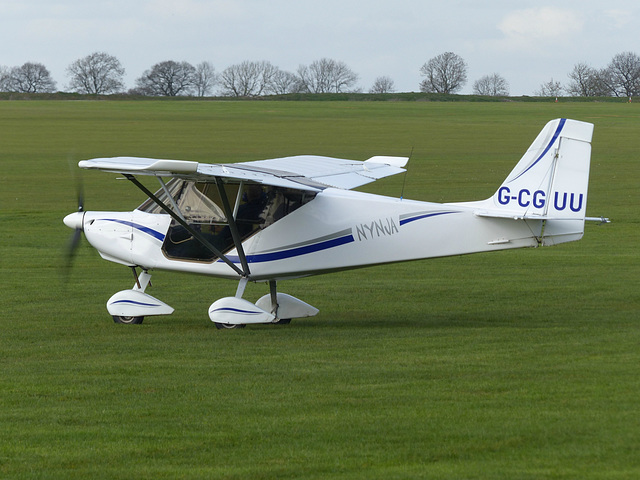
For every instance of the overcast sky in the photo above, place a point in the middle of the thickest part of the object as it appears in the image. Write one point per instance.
(527, 42)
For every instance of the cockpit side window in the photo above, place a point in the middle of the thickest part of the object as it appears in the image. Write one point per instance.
(261, 206)
(254, 206)
(201, 203)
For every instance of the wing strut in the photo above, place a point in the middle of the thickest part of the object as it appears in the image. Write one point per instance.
(235, 235)
(197, 235)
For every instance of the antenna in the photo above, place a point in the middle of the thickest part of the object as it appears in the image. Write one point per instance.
(404, 179)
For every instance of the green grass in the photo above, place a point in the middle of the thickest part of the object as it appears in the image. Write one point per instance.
(523, 364)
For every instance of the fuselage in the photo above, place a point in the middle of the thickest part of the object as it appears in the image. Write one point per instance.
(337, 230)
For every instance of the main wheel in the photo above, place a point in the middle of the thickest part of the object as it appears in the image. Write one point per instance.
(227, 326)
(283, 321)
(128, 320)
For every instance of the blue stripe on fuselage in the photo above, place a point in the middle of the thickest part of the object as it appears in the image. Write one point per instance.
(297, 251)
(421, 216)
(137, 226)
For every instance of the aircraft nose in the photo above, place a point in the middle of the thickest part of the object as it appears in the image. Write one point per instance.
(74, 220)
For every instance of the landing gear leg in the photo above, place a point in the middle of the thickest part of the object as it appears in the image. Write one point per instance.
(274, 304)
(142, 281)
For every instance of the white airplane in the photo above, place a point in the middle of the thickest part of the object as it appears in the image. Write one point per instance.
(269, 220)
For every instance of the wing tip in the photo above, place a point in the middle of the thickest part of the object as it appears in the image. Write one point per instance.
(139, 165)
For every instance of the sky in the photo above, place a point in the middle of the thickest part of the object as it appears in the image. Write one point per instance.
(526, 42)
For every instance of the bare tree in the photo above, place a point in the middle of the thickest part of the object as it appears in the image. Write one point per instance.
(31, 78)
(204, 79)
(96, 74)
(383, 85)
(247, 79)
(550, 89)
(446, 73)
(581, 84)
(589, 82)
(310, 82)
(625, 74)
(492, 85)
(326, 76)
(167, 79)
(603, 83)
(5, 79)
(284, 82)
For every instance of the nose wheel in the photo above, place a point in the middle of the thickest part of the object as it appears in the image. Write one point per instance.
(228, 326)
(127, 320)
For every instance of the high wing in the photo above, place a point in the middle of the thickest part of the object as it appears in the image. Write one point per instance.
(304, 172)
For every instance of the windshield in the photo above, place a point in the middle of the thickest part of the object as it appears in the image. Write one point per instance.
(196, 202)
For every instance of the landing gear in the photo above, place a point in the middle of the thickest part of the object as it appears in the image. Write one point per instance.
(275, 308)
(127, 320)
(131, 306)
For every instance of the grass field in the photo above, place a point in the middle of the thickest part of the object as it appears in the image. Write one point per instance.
(516, 365)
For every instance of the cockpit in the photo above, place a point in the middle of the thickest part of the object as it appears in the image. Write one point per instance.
(202, 206)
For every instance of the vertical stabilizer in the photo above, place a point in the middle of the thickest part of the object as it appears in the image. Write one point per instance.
(550, 182)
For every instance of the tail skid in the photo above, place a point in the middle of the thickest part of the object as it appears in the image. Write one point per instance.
(549, 183)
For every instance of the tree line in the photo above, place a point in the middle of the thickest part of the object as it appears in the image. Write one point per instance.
(447, 73)
(101, 74)
(620, 78)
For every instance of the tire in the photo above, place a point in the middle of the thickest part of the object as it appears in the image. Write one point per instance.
(227, 326)
(283, 321)
(127, 320)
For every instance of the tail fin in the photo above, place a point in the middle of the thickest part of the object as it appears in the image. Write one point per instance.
(550, 182)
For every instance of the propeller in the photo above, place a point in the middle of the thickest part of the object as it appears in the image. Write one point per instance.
(75, 221)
